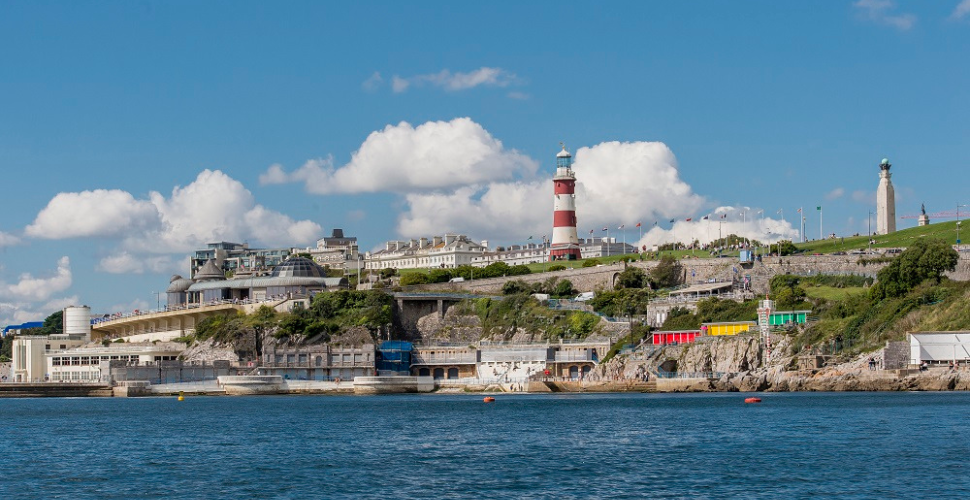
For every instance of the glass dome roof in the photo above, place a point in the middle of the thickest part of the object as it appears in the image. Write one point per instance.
(299, 267)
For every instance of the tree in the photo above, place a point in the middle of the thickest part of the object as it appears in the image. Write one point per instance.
(922, 260)
(513, 287)
(786, 247)
(564, 288)
(667, 273)
(632, 277)
(53, 324)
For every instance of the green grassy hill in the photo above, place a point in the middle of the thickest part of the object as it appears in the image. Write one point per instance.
(946, 231)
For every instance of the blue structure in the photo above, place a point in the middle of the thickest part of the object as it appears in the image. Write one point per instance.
(15, 329)
(394, 357)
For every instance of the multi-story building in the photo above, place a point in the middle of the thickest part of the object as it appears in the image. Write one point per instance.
(448, 251)
(337, 252)
(515, 255)
(233, 256)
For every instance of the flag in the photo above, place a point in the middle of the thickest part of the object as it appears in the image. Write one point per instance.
(799, 210)
(723, 216)
(638, 224)
(529, 238)
(818, 208)
(590, 231)
(688, 219)
(606, 229)
(704, 218)
(623, 225)
(672, 221)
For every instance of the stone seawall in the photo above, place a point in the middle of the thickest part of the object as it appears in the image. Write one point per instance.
(699, 270)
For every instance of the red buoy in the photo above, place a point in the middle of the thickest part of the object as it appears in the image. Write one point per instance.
(752, 400)
(489, 399)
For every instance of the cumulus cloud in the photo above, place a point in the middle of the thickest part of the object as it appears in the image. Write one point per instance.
(961, 10)
(403, 158)
(835, 194)
(92, 213)
(882, 12)
(214, 207)
(8, 240)
(721, 222)
(16, 312)
(617, 183)
(445, 79)
(36, 289)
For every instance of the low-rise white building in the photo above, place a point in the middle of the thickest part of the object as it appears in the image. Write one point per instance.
(448, 251)
(515, 255)
(90, 363)
(939, 347)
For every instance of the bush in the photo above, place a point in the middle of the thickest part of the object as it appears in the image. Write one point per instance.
(632, 277)
(591, 263)
(667, 273)
(414, 279)
(557, 267)
(513, 287)
(564, 288)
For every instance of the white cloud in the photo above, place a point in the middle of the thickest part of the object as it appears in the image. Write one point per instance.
(8, 240)
(32, 289)
(445, 79)
(216, 207)
(881, 12)
(373, 83)
(15, 313)
(961, 10)
(835, 194)
(521, 96)
(128, 263)
(92, 213)
(403, 158)
(617, 183)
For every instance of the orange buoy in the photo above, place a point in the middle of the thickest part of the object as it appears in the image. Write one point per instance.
(752, 400)
(489, 399)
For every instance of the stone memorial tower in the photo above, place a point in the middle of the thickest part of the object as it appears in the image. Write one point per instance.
(885, 201)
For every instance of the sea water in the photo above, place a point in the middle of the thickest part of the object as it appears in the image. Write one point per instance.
(792, 445)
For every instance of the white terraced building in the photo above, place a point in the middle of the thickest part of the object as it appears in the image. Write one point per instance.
(448, 251)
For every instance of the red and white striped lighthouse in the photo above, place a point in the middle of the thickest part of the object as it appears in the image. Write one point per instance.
(565, 242)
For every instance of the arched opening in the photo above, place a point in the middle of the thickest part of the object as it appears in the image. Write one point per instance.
(424, 372)
(586, 370)
(574, 372)
(669, 366)
(452, 373)
(439, 373)
(318, 361)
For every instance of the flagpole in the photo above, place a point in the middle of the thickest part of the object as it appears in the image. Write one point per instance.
(820, 232)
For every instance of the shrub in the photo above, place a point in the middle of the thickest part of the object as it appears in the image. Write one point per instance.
(591, 262)
(557, 267)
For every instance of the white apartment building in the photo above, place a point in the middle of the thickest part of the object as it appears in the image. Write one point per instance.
(533, 253)
(448, 251)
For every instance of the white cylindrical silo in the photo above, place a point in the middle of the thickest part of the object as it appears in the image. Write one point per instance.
(77, 321)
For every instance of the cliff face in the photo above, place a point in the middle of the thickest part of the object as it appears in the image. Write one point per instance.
(734, 364)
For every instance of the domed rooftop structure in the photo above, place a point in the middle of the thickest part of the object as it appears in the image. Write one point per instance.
(210, 271)
(178, 284)
(298, 267)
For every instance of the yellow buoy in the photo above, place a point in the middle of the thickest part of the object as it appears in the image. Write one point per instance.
(181, 396)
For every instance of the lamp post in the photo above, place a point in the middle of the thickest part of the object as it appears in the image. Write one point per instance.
(869, 234)
(958, 222)
(158, 295)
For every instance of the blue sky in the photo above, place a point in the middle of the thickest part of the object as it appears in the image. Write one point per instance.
(134, 132)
